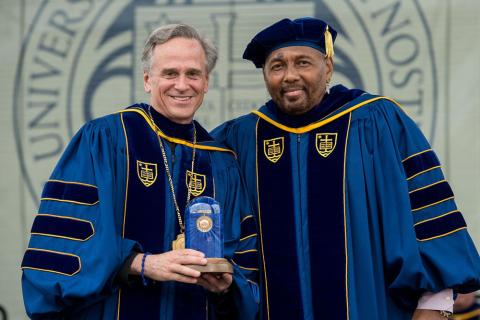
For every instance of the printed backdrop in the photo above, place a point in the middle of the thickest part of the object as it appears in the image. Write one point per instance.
(65, 62)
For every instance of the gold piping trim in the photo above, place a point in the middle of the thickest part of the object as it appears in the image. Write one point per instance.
(245, 251)
(250, 236)
(260, 223)
(321, 122)
(155, 128)
(247, 217)
(437, 217)
(427, 186)
(119, 299)
(417, 174)
(466, 316)
(245, 268)
(73, 182)
(127, 175)
(416, 154)
(432, 204)
(71, 201)
(345, 215)
(63, 237)
(442, 235)
(57, 252)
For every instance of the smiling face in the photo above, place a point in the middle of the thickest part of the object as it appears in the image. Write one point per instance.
(296, 78)
(178, 79)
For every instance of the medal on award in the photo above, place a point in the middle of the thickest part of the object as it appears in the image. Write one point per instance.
(204, 224)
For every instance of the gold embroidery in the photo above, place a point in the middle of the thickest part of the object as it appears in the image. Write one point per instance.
(325, 143)
(147, 172)
(198, 183)
(273, 148)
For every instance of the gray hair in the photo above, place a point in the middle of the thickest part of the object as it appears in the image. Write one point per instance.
(168, 32)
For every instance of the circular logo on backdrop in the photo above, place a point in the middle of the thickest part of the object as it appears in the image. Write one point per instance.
(385, 48)
(81, 60)
(76, 55)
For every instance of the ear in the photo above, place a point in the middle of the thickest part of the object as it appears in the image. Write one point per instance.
(329, 64)
(146, 83)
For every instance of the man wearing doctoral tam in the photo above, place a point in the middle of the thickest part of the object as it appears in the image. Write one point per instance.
(101, 244)
(355, 217)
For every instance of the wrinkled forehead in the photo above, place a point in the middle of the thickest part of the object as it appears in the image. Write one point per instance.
(294, 52)
(179, 53)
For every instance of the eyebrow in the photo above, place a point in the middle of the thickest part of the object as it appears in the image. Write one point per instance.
(194, 70)
(169, 70)
(190, 71)
(280, 57)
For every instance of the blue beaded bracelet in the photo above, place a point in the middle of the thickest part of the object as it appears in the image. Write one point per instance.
(142, 273)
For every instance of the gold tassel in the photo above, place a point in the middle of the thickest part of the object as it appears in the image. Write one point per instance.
(328, 43)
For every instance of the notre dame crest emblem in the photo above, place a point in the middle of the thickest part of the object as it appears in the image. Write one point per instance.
(196, 182)
(147, 172)
(273, 148)
(325, 143)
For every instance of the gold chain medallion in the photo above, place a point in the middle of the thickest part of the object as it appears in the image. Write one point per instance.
(178, 243)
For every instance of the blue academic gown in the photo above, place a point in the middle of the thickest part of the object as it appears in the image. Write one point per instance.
(109, 197)
(355, 217)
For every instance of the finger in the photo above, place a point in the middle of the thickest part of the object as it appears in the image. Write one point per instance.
(209, 286)
(214, 283)
(185, 271)
(219, 279)
(210, 278)
(191, 252)
(182, 278)
(191, 260)
(188, 256)
(228, 278)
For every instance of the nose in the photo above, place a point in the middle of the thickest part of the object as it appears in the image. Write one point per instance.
(182, 83)
(291, 74)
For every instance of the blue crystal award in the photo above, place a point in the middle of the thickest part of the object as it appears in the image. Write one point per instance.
(204, 232)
